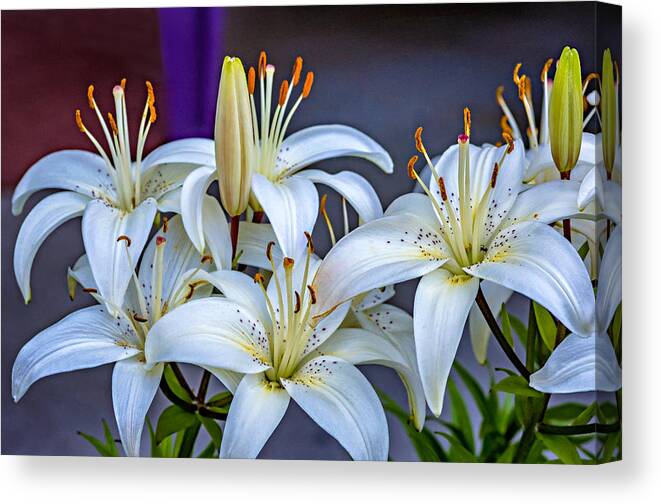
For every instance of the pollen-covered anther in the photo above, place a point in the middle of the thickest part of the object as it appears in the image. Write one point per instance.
(151, 97)
(288, 262)
(308, 237)
(545, 70)
(191, 291)
(79, 122)
(494, 174)
(139, 318)
(258, 278)
(418, 139)
(297, 307)
(166, 222)
(307, 86)
(251, 80)
(122, 83)
(515, 74)
(269, 250)
(590, 77)
(160, 240)
(296, 71)
(261, 66)
(113, 124)
(522, 87)
(510, 142)
(313, 294)
(441, 188)
(90, 290)
(90, 96)
(206, 259)
(284, 90)
(411, 167)
(125, 239)
(467, 122)
(505, 125)
(499, 94)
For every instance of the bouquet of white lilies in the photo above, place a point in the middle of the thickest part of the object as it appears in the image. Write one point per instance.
(234, 286)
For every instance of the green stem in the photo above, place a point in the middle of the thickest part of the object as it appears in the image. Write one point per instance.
(531, 337)
(574, 430)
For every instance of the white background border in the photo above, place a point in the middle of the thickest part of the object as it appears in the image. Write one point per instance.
(636, 479)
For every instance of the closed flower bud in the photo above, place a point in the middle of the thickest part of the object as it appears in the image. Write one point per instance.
(566, 111)
(234, 137)
(609, 117)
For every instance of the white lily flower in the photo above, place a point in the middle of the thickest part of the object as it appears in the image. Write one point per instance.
(93, 336)
(473, 225)
(279, 187)
(116, 196)
(274, 337)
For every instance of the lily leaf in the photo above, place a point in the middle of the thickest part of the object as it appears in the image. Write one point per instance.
(562, 447)
(173, 419)
(105, 449)
(458, 453)
(516, 385)
(506, 326)
(213, 429)
(460, 416)
(545, 325)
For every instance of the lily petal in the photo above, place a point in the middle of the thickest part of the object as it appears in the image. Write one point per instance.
(442, 303)
(211, 332)
(495, 295)
(609, 287)
(71, 170)
(216, 233)
(533, 259)
(133, 389)
(257, 409)
(355, 188)
(84, 339)
(543, 160)
(417, 205)
(382, 252)
(164, 178)
(579, 364)
(196, 151)
(44, 218)
(341, 400)
(229, 379)
(103, 225)
(546, 203)
(192, 199)
(327, 141)
(253, 240)
(375, 297)
(80, 274)
(170, 201)
(292, 206)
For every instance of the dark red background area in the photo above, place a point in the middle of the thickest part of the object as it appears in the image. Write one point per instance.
(48, 60)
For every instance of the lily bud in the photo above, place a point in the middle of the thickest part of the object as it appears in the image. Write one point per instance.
(234, 137)
(608, 111)
(566, 111)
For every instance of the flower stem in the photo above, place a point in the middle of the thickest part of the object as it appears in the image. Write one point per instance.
(495, 329)
(181, 379)
(204, 385)
(574, 430)
(234, 233)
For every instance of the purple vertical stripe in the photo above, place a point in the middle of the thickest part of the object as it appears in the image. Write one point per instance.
(191, 45)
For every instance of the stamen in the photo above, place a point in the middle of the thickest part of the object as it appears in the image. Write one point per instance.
(262, 65)
(151, 100)
(329, 225)
(206, 259)
(515, 74)
(139, 318)
(590, 77)
(504, 125)
(79, 122)
(269, 251)
(258, 278)
(310, 243)
(160, 240)
(296, 71)
(510, 142)
(506, 110)
(122, 83)
(441, 187)
(166, 221)
(411, 168)
(313, 294)
(90, 290)
(522, 87)
(467, 122)
(418, 140)
(284, 89)
(297, 307)
(309, 79)
(191, 291)
(124, 238)
(545, 70)
(113, 124)
(90, 96)
(287, 262)
(251, 80)
(494, 174)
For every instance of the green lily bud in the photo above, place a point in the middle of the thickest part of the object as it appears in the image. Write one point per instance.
(608, 111)
(234, 139)
(566, 111)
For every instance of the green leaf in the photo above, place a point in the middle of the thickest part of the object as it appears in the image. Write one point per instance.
(586, 415)
(175, 386)
(460, 416)
(220, 400)
(209, 451)
(173, 419)
(583, 251)
(507, 456)
(617, 328)
(609, 447)
(520, 329)
(457, 451)
(105, 449)
(516, 385)
(214, 430)
(562, 447)
(545, 325)
(506, 326)
(476, 392)
(565, 413)
(425, 443)
(188, 437)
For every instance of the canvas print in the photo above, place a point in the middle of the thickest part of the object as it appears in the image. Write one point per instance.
(370, 233)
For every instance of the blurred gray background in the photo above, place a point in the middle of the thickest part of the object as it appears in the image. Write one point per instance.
(383, 69)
